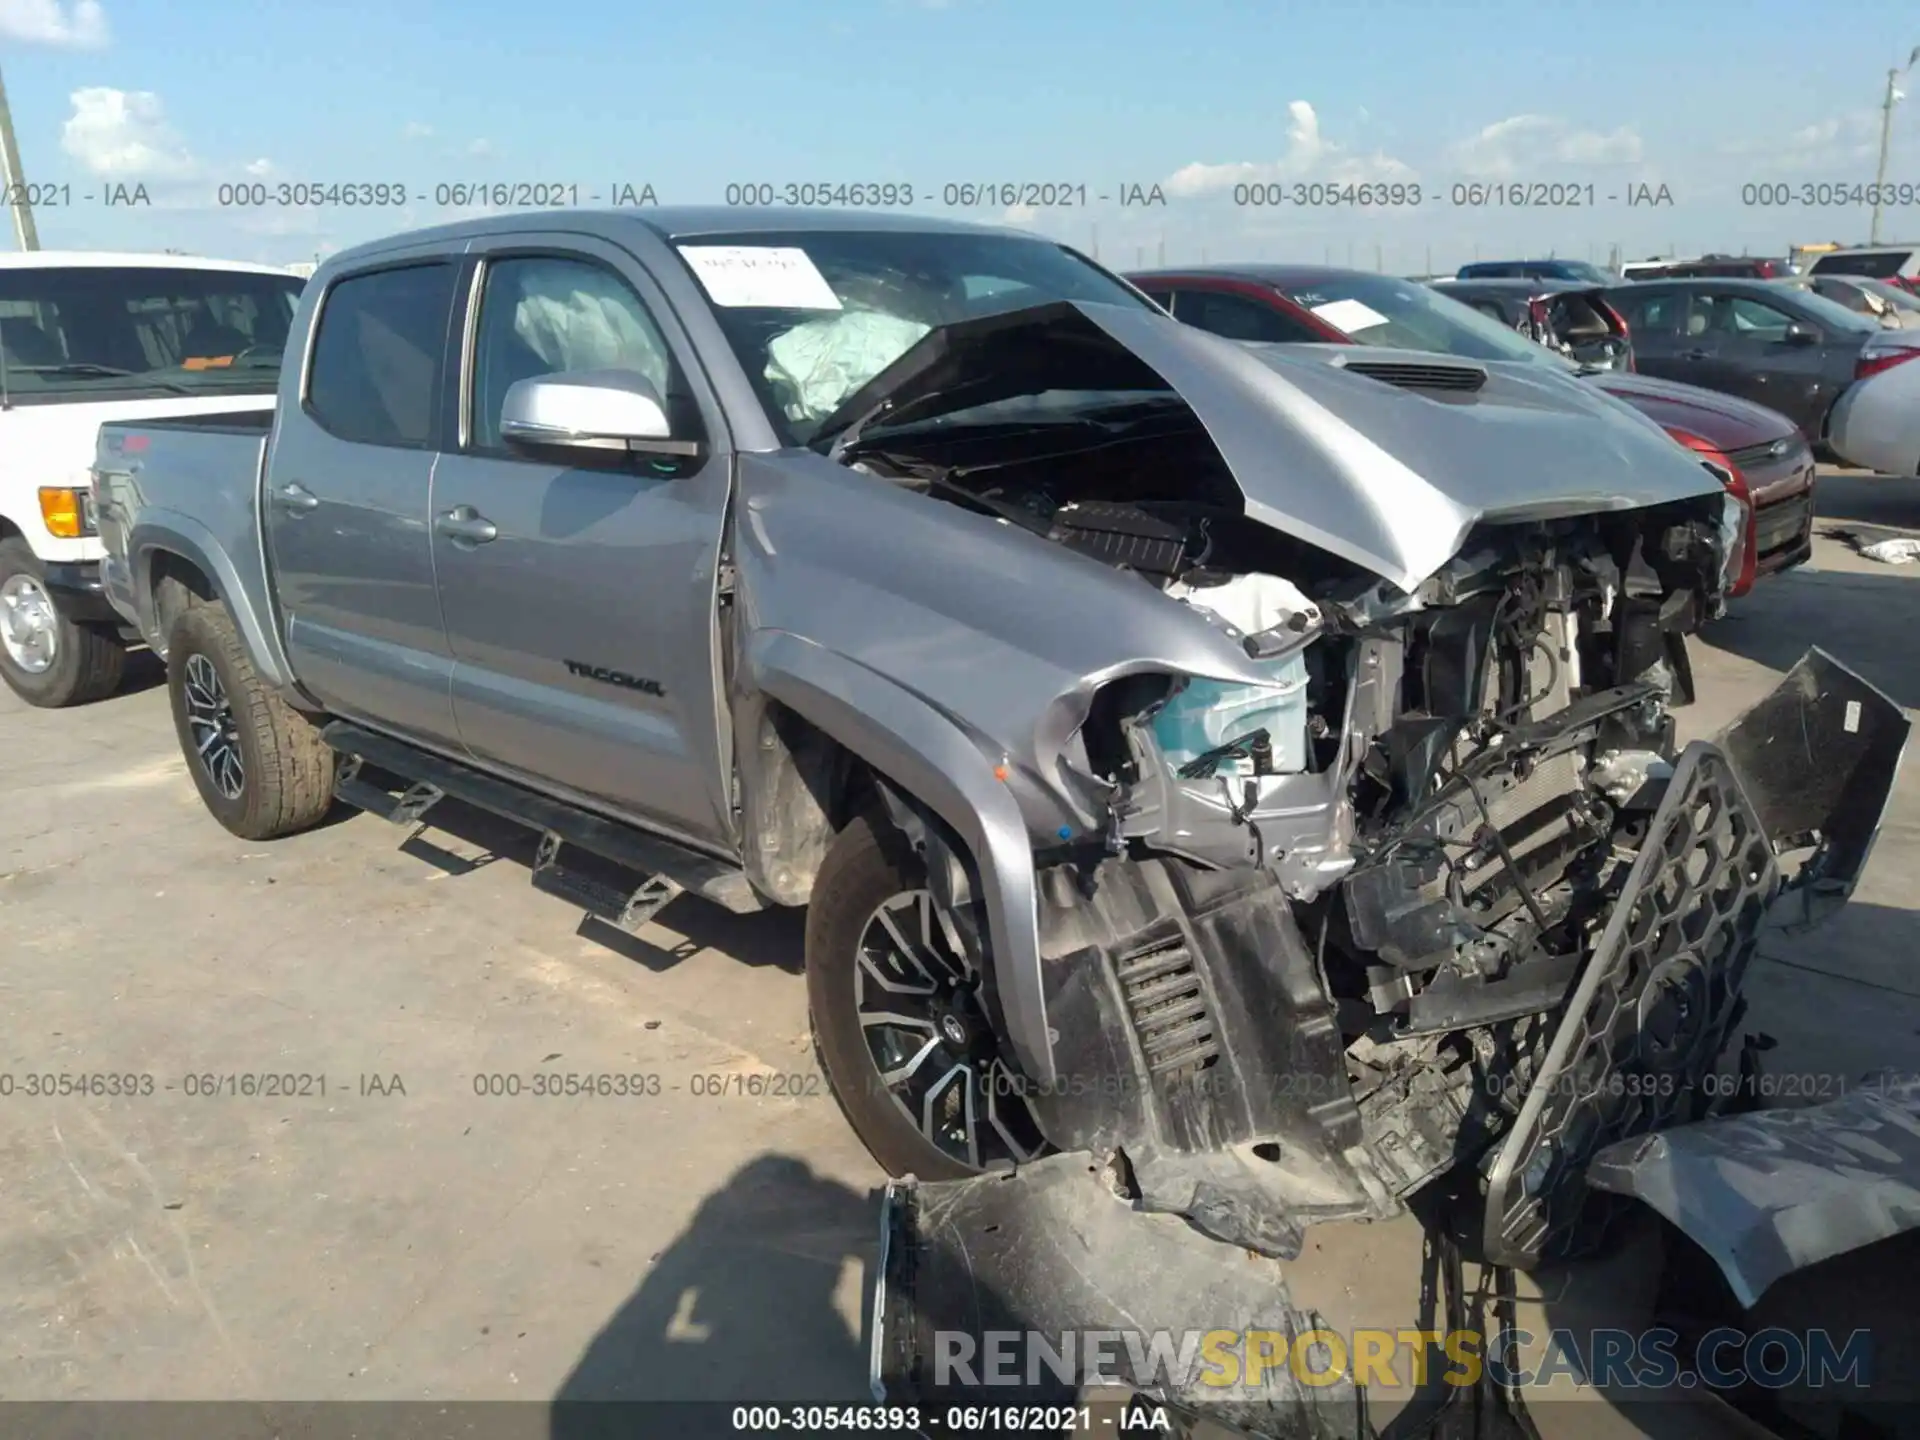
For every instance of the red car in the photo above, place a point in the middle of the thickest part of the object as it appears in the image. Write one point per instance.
(1761, 455)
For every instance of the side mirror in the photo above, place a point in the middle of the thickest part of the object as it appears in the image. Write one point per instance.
(597, 410)
(1799, 333)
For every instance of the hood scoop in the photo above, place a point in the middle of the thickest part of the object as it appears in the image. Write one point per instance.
(1412, 375)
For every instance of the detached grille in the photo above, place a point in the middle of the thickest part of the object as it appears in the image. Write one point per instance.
(1168, 1008)
(1647, 1023)
(1461, 378)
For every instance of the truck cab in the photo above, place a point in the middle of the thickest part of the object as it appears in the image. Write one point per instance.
(87, 338)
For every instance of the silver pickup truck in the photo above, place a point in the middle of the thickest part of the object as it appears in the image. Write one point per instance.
(1251, 766)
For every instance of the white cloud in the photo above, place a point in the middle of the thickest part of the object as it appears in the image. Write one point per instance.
(481, 149)
(1309, 155)
(1019, 215)
(123, 134)
(1846, 141)
(259, 169)
(1523, 146)
(81, 25)
(416, 130)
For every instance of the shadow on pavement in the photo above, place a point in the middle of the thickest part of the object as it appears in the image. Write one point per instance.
(770, 938)
(747, 1305)
(1866, 621)
(1869, 499)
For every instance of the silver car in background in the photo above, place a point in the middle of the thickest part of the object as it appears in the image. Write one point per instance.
(1876, 424)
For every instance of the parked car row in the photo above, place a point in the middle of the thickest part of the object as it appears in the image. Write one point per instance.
(1156, 727)
(1781, 339)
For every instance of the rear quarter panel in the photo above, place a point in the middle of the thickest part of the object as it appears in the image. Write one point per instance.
(191, 492)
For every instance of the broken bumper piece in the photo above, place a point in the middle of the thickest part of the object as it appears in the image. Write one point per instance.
(1817, 758)
(1769, 1193)
(1031, 1288)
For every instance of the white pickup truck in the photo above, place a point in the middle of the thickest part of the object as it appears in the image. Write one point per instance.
(87, 337)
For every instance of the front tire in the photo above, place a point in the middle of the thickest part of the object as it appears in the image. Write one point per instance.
(260, 765)
(898, 1023)
(47, 659)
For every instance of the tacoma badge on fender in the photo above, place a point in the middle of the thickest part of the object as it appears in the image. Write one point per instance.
(615, 677)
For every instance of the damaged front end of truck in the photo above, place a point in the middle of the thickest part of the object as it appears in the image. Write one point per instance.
(1360, 852)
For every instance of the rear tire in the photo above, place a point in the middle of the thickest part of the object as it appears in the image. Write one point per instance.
(259, 765)
(47, 659)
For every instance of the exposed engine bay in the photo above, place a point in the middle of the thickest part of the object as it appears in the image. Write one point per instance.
(1386, 867)
(1364, 867)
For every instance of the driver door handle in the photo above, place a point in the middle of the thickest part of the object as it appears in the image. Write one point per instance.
(465, 524)
(296, 497)
(1694, 354)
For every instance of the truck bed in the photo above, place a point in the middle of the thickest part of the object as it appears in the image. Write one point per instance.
(192, 484)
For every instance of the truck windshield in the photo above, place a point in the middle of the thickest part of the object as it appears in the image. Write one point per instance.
(95, 331)
(814, 315)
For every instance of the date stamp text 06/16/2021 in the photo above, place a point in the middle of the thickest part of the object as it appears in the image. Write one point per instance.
(988, 194)
(277, 1084)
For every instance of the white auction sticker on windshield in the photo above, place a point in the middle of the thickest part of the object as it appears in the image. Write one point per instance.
(1349, 315)
(781, 277)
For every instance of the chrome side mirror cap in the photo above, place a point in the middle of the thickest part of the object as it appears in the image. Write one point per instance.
(597, 410)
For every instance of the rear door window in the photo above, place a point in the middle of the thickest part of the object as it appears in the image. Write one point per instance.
(379, 354)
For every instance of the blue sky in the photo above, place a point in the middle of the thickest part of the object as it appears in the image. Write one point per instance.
(1196, 97)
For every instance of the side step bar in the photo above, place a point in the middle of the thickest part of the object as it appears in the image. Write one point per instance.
(669, 869)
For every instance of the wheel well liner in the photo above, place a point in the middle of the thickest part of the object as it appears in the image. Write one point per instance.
(926, 756)
(170, 545)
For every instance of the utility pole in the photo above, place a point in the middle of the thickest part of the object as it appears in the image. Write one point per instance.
(1096, 240)
(23, 226)
(1886, 134)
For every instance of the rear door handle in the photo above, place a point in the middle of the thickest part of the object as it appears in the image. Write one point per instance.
(466, 524)
(1694, 354)
(296, 497)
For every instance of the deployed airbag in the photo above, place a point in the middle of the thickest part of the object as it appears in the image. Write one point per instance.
(816, 365)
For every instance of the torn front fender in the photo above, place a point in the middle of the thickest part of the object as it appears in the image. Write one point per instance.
(1817, 759)
(1772, 1192)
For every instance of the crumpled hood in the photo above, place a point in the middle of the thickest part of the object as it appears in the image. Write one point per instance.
(1387, 476)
